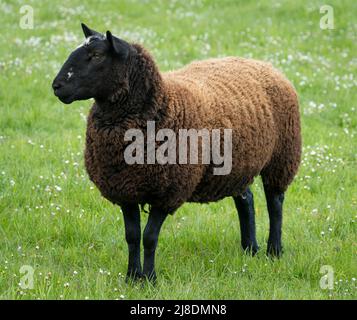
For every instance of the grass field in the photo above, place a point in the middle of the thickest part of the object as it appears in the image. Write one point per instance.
(54, 220)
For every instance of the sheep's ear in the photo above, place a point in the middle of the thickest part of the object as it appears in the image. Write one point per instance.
(120, 47)
(88, 32)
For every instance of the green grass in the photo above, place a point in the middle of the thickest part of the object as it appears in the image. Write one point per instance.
(74, 239)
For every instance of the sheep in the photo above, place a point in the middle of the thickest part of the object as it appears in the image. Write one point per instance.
(248, 96)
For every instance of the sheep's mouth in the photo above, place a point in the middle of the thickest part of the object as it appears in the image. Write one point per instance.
(66, 99)
(63, 97)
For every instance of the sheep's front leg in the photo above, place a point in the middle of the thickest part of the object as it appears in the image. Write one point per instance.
(150, 239)
(131, 214)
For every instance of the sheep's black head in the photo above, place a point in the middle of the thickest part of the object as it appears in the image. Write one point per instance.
(93, 69)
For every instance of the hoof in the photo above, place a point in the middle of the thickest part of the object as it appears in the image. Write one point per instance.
(133, 276)
(151, 278)
(251, 248)
(274, 250)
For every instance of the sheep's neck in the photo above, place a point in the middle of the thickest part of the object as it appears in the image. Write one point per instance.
(145, 99)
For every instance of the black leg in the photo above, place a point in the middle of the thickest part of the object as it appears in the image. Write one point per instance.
(275, 209)
(150, 238)
(245, 207)
(133, 237)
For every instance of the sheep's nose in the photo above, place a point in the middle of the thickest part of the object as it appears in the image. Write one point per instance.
(56, 85)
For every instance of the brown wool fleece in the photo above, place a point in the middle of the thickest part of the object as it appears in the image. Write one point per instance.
(250, 97)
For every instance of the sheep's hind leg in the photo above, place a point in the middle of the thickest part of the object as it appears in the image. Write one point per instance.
(150, 239)
(275, 201)
(245, 207)
(131, 215)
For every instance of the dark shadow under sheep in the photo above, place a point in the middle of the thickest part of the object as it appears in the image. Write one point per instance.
(250, 97)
